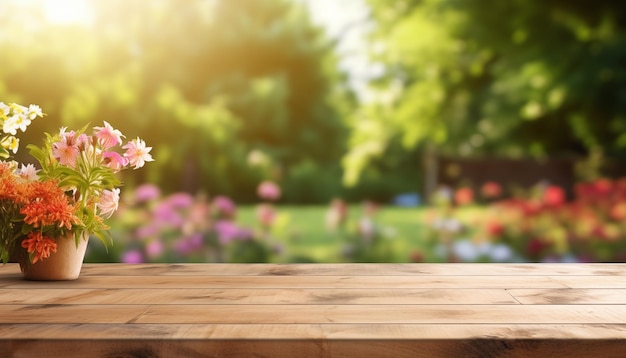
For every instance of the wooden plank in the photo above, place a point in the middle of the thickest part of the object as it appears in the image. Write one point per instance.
(468, 314)
(365, 282)
(479, 348)
(297, 314)
(569, 296)
(591, 281)
(33, 296)
(71, 313)
(370, 282)
(314, 331)
(376, 269)
(338, 310)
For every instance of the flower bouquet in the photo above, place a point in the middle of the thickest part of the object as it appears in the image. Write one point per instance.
(69, 197)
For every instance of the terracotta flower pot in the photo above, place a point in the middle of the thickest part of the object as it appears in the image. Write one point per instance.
(65, 264)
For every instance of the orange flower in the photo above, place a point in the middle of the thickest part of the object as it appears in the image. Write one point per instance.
(40, 245)
(48, 205)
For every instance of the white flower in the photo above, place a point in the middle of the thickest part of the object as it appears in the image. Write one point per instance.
(465, 250)
(34, 111)
(5, 109)
(22, 121)
(28, 172)
(11, 124)
(109, 202)
(501, 253)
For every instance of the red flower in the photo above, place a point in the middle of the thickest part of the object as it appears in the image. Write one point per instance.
(464, 196)
(494, 228)
(491, 190)
(554, 196)
(602, 187)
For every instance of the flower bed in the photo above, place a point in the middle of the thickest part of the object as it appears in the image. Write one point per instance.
(541, 226)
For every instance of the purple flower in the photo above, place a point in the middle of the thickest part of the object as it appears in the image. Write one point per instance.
(188, 244)
(225, 207)
(132, 257)
(227, 231)
(147, 192)
(180, 200)
(165, 214)
(195, 241)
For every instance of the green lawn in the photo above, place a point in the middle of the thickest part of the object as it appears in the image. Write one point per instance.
(302, 232)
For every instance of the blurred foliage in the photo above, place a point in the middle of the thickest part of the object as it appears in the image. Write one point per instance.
(511, 78)
(204, 82)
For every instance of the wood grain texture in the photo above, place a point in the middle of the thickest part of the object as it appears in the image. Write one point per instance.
(241, 296)
(302, 310)
(372, 269)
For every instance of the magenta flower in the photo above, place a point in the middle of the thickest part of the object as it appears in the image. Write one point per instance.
(164, 213)
(228, 231)
(189, 244)
(107, 136)
(268, 190)
(132, 257)
(137, 153)
(179, 200)
(225, 207)
(147, 192)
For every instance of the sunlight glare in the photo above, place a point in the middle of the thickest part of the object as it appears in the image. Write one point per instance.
(66, 12)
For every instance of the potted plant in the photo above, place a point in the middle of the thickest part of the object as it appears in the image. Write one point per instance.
(47, 215)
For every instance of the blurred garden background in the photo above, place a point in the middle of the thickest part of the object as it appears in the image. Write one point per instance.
(342, 131)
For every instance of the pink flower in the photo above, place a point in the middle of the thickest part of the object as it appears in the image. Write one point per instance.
(225, 207)
(147, 192)
(65, 153)
(68, 138)
(132, 257)
(137, 153)
(266, 214)
(114, 161)
(154, 248)
(107, 136)
(109, 202)
(228, 231)
(268, 190)
(83, 141)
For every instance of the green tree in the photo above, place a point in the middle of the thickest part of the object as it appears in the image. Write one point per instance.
(509, 78)
(204, 82)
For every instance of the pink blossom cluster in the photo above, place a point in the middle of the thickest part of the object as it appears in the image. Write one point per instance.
(88, 152)
(73, 147)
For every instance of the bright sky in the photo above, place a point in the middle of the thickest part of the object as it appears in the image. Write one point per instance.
(343, 19)
(347, 19)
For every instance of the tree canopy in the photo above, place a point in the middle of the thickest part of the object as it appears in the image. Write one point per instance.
(509, 78)
(204, 82)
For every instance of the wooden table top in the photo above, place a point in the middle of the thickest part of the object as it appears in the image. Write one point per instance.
(319, 310)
